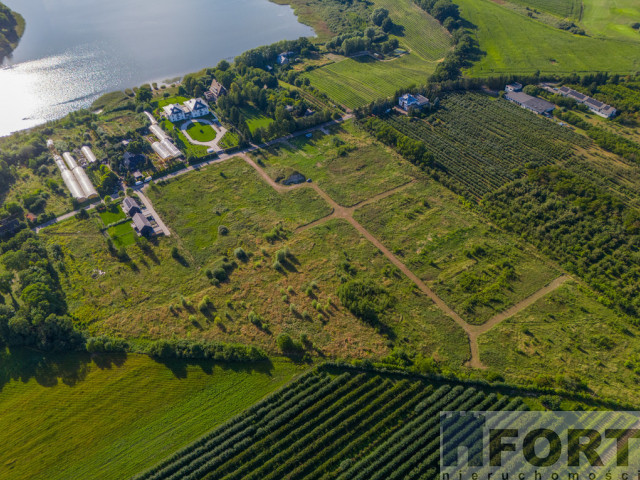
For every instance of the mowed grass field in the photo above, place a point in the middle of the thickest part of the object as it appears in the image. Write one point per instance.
(514, 43)
(568, 331)
(561, 8)
(610, 18)
(348, 165)
(475, 269)
(72, 416)
(354, 82)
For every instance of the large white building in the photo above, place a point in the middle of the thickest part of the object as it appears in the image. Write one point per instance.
(194, 108)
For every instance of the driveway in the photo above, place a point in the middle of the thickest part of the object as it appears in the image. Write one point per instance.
(220, 131)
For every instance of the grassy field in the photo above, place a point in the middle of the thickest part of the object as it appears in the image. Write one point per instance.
(112, 215)
(163, 102)
(255, 119)
(611, 18)
(142, 298)
(229, 140)
(561, 8)
(568, 331)
(475, 269)
(122, 235)
(357, 81)
(201, 132)
(110, 417)
(513, 43)
(348, 165)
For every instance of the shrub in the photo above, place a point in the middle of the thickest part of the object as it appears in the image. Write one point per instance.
(287, 345)
(223, 230)
(255, 319)
(281, 256)
(277, 266)
(364, 299)
(240, 254)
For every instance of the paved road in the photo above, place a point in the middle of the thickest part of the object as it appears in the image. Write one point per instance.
(149, 206)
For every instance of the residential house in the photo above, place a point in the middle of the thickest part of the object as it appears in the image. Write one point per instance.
(130, 207)
(409, 101)
(194, 108)
(216, 91)
(535, 104)
(283, 58)
(141, 225)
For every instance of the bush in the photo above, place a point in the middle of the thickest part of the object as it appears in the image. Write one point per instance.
(277, 266)
(240, 254)
(106, 345)
(223, 230)
(288, 346)
(364, 299)
(255, 319)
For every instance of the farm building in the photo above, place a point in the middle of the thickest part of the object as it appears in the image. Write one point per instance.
(535, 104)
(408, 101)
(70, 180)
(513, 87)
(165, 149)
(158, 132)
(597, 107)
(142, 225)
(194, 108)
(81, 177)
(88, 154)
(130, 207)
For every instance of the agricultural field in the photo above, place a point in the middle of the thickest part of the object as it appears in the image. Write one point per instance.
(346, 164)
(482, 143)
(477, 270)
(516, 44)
(568, 331)
(130, 409)
(339, 424)
(354, 82)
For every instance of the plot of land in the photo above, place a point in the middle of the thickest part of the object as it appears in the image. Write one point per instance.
(348, 165)
(112, 214)
(514, 43)
(122, 235)
(476, 270)
(255, 119)
(201, 132)
(568, 331)
(131, 411)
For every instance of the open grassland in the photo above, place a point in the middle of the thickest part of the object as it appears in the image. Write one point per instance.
(481, 143)
(347, 164)
(514, 43)
(475, 269)
(354, 82)
(561, 8)
(110, 417)
(611, 18)
(567, 331)
(143, 298)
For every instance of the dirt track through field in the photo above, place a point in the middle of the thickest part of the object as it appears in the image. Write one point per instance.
(346, 213)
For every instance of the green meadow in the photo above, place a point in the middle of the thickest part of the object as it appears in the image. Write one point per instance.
(514, 43)
(109, 416)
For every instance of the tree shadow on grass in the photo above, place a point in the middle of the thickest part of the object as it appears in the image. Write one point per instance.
(180, 366)
(48, 369)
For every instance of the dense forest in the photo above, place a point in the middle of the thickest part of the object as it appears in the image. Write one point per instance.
(11, 28)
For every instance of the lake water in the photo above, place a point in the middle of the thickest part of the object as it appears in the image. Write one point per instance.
(75, 50)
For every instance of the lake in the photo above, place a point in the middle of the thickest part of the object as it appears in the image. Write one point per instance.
(75, 50)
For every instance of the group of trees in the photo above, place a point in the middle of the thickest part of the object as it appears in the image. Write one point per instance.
(9, 31)
(38, 316)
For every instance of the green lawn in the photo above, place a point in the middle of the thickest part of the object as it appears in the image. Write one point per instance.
(514, 43)
(475, 269)
(561, 8)
(358, 81)
(122, 235)
(201, 132)
(112, 215)
(349, 166)
(568, 331)
(163, 102)
(187, 147)
(112, 417)
(255, 119)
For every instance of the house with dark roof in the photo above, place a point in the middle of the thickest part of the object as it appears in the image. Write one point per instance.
(534, 104)
(216, 90)
(133, 161)
(597, 107)
(194, 108)
(141, 225)
(130, 207)
(409, 101)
